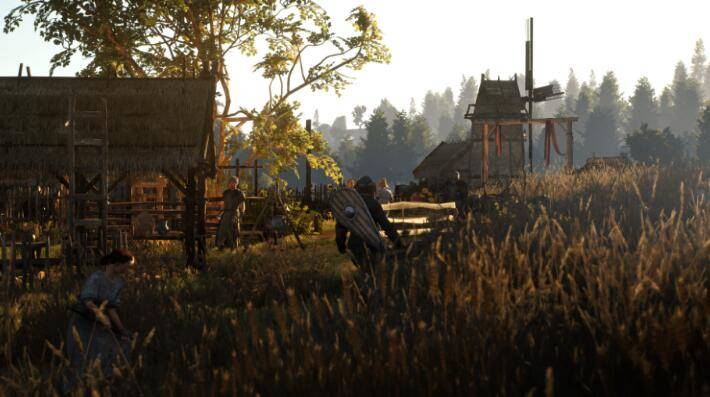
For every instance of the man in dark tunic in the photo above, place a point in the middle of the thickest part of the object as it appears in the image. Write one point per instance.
(457, 191)
(347, 241)
(234, 205)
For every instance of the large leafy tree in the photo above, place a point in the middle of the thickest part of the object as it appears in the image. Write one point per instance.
(293, 39)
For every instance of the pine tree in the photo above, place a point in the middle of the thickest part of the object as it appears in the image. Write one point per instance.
(388, 110)
(706, 83)
(372, 155)
(402, 158)
(609, 96)
(665, 108)
(571, 92)
(467, 96)
(644, 106)
(583, 107)
(430, 110)
(697, 68)
(686, 101)
(412, 108)
(703, 144)
(601, 137)
(420, 137)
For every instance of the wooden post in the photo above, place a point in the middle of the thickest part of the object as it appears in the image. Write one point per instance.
(484, 155)
(189, 218)
(256, 178)
(237, 168)
(307, 196)
(201, 215)
(3, 255)
(570, 146)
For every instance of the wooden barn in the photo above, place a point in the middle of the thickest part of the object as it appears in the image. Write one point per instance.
(93, 135)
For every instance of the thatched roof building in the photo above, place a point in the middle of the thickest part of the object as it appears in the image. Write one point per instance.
(443, 161)
(153, 124)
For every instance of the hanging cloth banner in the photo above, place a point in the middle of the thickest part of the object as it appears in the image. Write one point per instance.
(499, 142)
(550, 138)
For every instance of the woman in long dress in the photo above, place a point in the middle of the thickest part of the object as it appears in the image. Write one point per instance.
(96, 331)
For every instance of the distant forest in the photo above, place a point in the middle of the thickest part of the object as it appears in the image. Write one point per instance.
(666, 125)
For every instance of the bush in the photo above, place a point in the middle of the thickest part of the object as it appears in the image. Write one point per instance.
(648, 146)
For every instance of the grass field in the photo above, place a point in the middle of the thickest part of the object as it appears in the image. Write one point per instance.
(590, 284)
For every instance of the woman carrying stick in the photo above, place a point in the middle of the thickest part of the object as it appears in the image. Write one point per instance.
(96, 331)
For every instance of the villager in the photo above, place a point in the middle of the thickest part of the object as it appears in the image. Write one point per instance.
(350, 183)
(234, 206)
(348, 241)
(457, 191)
(96, 331)
(384, 193)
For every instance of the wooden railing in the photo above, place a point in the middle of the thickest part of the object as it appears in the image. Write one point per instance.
(413, 219)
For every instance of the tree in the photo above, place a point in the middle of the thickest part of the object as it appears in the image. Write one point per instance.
(467, 96)
(686, 101)
(706, 82)
(358, 115)
(609, 96)
(420, 138)
(372, 158)
(388, 110)
(648, 145)
(601, 137)
(697, 68)
(431, 110)
(644, 106)
(665, 108)
(403, 157)
(584, 105)
(169, 38)
(571, 92)
(703, 148)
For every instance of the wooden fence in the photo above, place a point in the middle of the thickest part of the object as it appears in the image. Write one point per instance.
(414, 219)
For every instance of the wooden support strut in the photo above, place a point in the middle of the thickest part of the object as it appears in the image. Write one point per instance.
(484, 155)
(570, 146)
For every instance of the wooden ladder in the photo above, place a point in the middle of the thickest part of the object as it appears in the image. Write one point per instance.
(80, 226)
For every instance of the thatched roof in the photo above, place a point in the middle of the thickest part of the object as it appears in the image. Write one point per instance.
(498, 99)
(436, 163)
(152, 123)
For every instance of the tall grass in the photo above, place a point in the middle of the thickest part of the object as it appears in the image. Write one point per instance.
(590, 284)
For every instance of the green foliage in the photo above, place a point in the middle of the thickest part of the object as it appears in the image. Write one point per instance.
(358, 115)
(173, 38)
(686, 101)
(648, 145)
(279, 136)
(601, 137)
(644, 107)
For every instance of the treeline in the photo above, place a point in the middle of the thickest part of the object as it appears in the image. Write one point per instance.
(648, 125)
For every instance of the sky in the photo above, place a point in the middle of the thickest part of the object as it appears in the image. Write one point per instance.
(435, 43)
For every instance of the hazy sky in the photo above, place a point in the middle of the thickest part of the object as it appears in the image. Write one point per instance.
(434, 43)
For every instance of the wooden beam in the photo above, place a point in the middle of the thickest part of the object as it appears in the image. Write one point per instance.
(61, 179)
(115, 183)
(570, 146)
(484, 155)
(175, 180)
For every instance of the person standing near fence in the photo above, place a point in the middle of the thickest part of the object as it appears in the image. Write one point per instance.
(96, 331)
(384, 193)
(234, 206)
